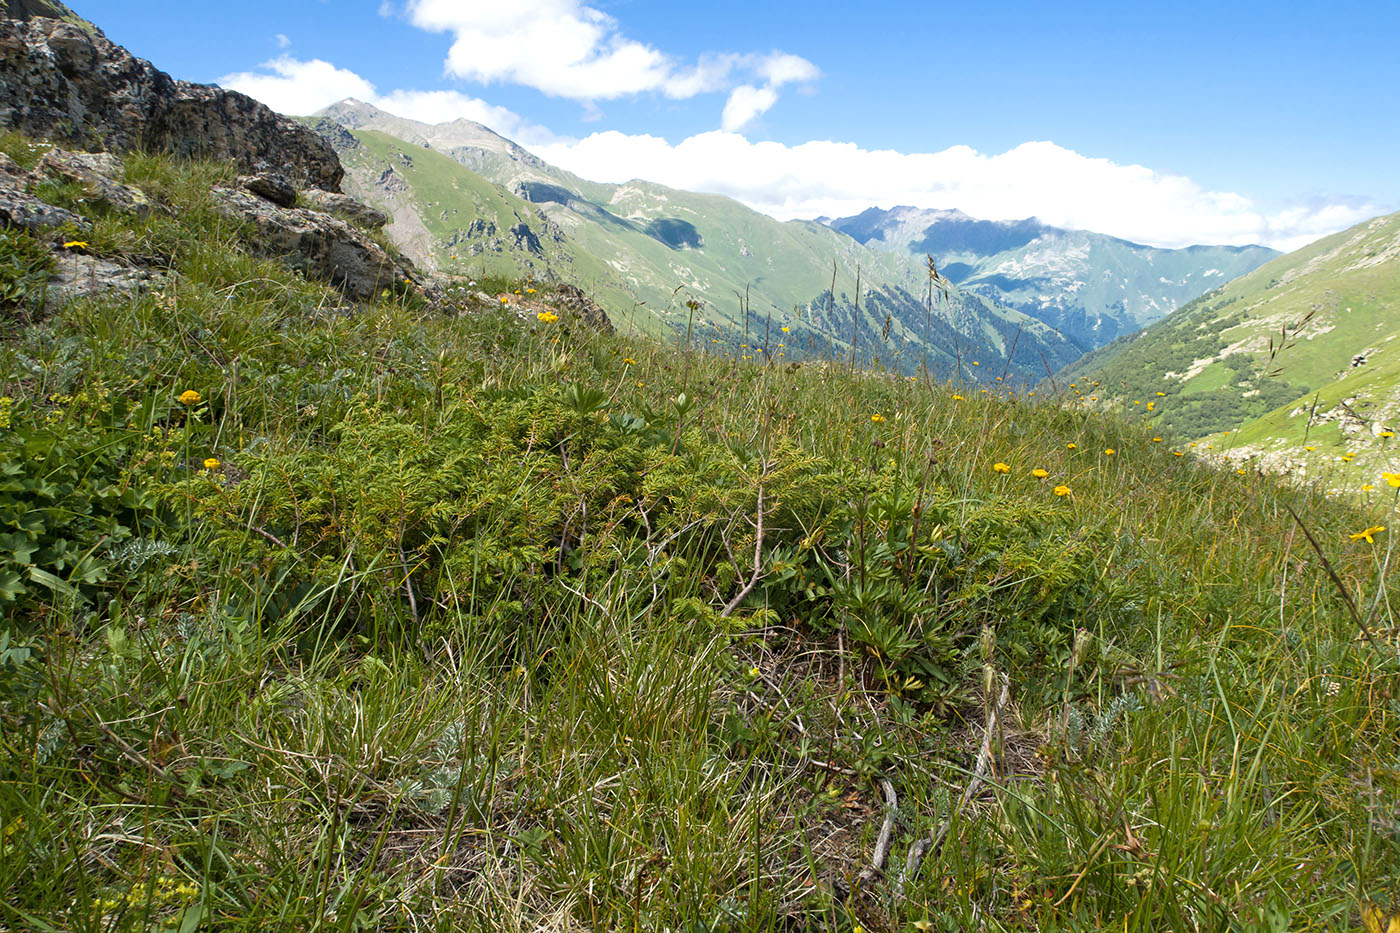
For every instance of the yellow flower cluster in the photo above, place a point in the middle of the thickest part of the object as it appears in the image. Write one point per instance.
(548, 317)
(190, 397)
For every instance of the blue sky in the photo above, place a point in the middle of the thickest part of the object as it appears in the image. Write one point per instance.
(1191, 122)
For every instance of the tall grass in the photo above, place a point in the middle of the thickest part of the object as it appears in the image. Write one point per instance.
(444, 645)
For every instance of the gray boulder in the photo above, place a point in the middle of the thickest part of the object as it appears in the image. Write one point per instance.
(325, 247)
(80, 276)
(97, 173)
(71, 84)
(18, 208)
(271, 186)
(342, 205)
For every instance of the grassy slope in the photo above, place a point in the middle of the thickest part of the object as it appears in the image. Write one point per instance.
(786, 268)
(1236, 379)
(442, 641)
(447, 198)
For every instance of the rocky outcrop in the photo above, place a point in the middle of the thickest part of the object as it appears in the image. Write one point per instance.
(575, 300)
(69, 83)
(341, 139)
(344, 206)
(324, 247)
(271, 187)
(28, 9)
(18, 208)
(77, 275)
(96, 173)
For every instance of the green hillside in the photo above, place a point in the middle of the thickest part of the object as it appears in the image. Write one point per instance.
(413, 615)
(643, 250)
(1301, 353)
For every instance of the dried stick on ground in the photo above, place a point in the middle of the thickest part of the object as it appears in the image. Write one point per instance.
(934, 843)
(757, 561)
(882, 844)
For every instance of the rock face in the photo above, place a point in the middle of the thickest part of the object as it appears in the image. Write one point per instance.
(325, 247)
(28, 9)
(71, 84)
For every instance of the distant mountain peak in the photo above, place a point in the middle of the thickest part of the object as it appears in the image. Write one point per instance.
(1091, 286)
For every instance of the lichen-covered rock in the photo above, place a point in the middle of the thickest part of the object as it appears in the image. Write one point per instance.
(342, 205)
(325, 247)
(71, 84)
(575, 300)
(18, 208)
(81, 276)
(271, 186)
(97, 173)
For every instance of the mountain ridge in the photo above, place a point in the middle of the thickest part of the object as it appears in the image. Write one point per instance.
(1093, 287)
(645, 249)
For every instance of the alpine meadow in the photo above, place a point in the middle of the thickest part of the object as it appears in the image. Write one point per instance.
(401, 530)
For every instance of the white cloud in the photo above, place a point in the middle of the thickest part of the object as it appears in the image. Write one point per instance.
(567, 49)
(292, 86)
(281, 40)
(745, 103)
(781, 68)
(1040, 179)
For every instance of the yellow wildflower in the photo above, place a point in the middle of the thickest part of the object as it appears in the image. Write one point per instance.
(1000, 467)
(1156, 440)
(548, 317)
(629, 361)
(1109, 451)
(1177, 453)
(1368, 534)
(1392, 479)
(1242, 471)
(876, 419)
(958, 398)
(212, 463)
(75, 244)
(1071, 446)
(190, 397)
(1038, 473)
(1162, 394)
(1386, 434)
(1061, 490)
(787, 330)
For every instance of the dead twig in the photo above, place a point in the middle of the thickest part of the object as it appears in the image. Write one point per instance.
(757, 561)
(882, 844)
(934, 842)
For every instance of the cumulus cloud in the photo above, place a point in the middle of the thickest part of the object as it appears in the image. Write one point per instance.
(1040, 179)
(293, 86)
(745, 103)
(281, 40)
(567, 49)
